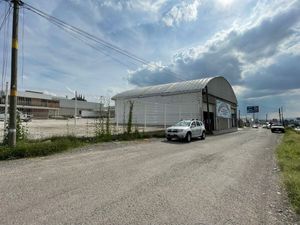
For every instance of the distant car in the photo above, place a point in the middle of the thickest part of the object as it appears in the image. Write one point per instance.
(277, 128)
(186, 130)
(254, 126)
(23, 116)
(26, 117)
(297, 129)
(291, 125)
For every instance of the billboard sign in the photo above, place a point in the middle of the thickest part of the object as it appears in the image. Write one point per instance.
(252, 109)
(223, 109)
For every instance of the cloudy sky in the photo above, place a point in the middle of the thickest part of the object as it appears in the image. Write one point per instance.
(255, 45)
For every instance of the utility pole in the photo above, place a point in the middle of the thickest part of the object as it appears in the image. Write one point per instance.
(267, 117)
(282, 116)
(75, 109)
(12, 134)
(6, 108)
(101, 104)
(279, 115)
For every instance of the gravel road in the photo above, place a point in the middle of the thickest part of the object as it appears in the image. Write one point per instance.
(226, 179)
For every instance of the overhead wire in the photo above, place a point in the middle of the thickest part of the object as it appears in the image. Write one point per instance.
(5, 48)
(86, 41)
(5, 17)
(77, 36)
(98, 40)
(85, 34)
(101, 50)
(22, 49)
(2, 1)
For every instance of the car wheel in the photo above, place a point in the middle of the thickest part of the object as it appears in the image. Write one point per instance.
(169, 139)
(188, 137)
(203, 135)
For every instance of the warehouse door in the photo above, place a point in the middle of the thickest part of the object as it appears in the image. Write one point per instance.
(209, 121)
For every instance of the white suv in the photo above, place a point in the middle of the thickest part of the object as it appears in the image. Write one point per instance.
(186, 130)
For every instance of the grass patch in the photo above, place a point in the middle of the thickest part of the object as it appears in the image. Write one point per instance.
(288, 155)
(34, 148)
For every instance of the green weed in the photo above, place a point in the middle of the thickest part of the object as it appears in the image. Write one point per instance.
(35, 148)
(288, 155)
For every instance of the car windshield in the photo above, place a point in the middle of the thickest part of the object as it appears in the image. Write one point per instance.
(183, 123)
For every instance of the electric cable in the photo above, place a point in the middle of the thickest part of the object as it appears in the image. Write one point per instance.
(5, 48)
(22, 49)
(98, 40)
(5, 17)
(85, 41)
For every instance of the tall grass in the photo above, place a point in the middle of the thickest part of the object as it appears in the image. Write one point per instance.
(34, 148)
(288, 155)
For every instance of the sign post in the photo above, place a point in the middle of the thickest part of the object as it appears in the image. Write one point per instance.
(253, 110)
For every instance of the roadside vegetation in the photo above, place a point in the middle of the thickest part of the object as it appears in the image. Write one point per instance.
(48, 146)
(288, 155)
(34, 148)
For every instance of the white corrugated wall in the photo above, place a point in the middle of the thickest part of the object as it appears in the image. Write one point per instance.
(160, 110)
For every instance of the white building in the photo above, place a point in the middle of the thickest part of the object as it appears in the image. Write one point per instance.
(83, 108)
(163, 105)
(41, 105)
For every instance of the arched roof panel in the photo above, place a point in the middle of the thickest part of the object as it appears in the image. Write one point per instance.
(217, 86)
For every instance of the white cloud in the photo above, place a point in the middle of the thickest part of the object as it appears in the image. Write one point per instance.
(250, 42)
(239, 90)
(183, 12)
(225, 3)
(141, 5)
(234, 53)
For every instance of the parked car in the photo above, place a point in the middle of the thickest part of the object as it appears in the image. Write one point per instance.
(277, 127)
(254, 126)
(23, 117)
(186, 130)
(297, 129)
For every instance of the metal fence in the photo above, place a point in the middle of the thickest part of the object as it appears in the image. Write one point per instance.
(82, 127)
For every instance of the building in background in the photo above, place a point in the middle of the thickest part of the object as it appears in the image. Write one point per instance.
(34, 103)
(211, 100)
(41, 106)
(84, 108)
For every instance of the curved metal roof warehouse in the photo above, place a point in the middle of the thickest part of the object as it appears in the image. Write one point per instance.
(167, 103)
(216, 85)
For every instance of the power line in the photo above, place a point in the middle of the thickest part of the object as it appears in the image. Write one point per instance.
(84, 33)
(5, 17)
(105, 44)
(86, 41)
(5, 48)
(22, 50)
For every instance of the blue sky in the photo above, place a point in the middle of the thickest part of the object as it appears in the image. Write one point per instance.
(255, 45)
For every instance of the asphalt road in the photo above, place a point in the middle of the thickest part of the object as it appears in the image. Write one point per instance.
(226, 179)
